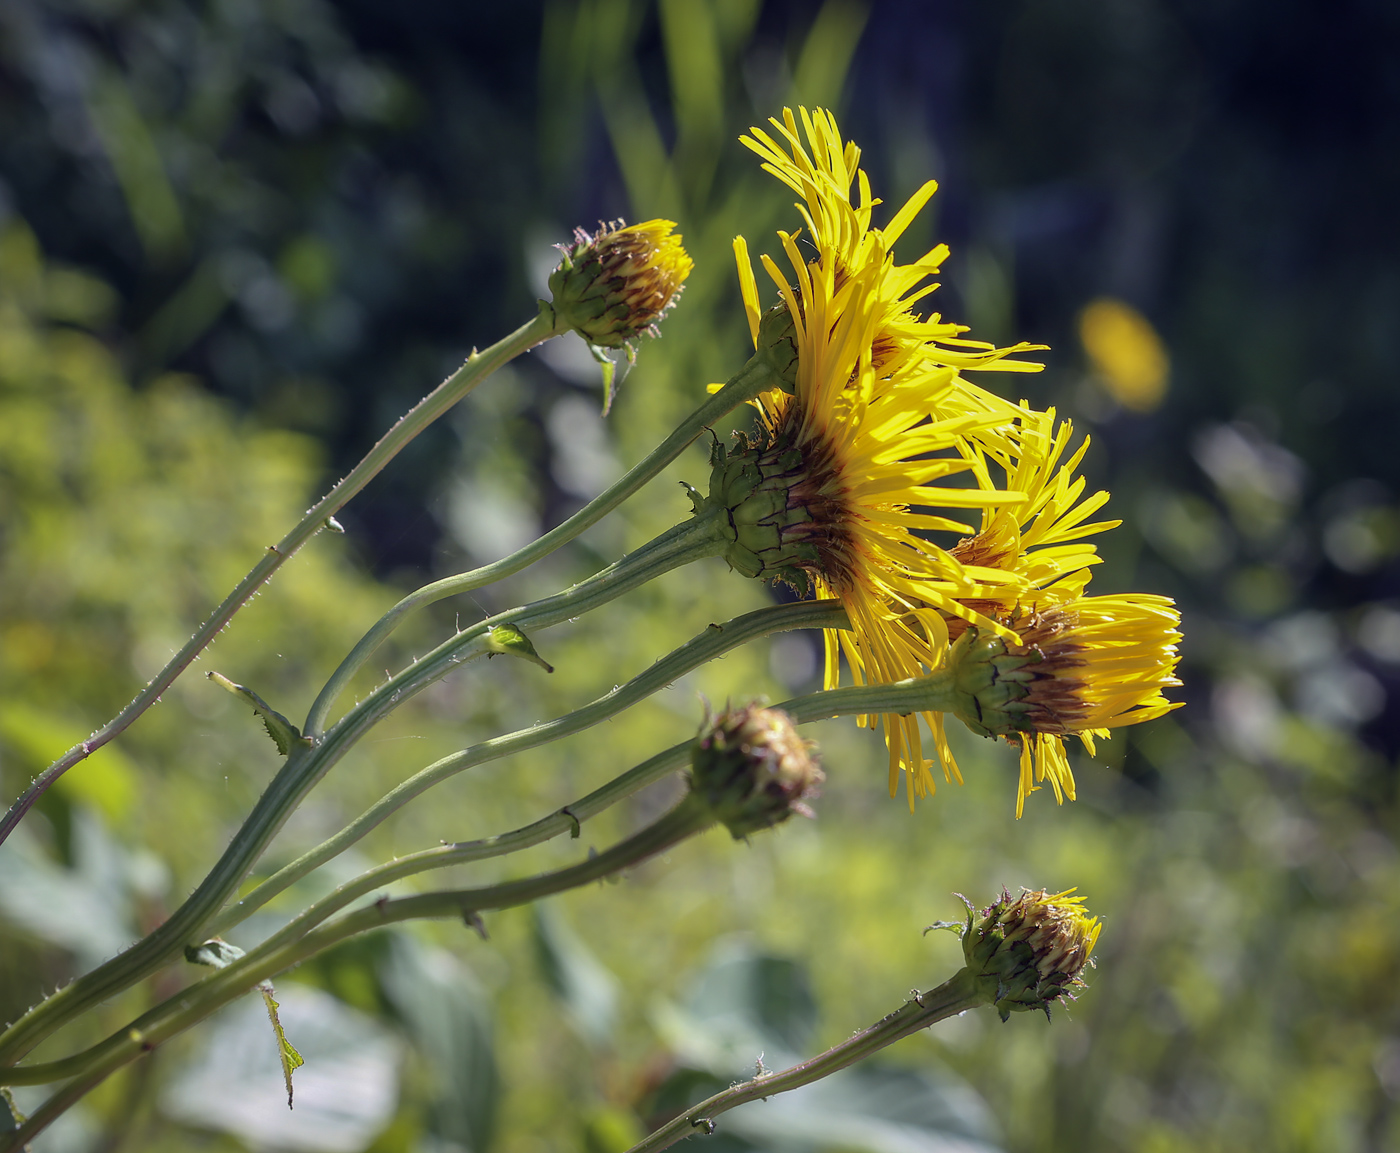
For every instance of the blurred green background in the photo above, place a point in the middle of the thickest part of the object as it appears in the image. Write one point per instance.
(238, 238)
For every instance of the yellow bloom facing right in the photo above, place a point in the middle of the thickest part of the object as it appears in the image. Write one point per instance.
(1043, 540)
(835, 493)
(1082, 669)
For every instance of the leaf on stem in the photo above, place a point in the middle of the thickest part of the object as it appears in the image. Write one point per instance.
(284, 734)
(215, 953)
(510, 640)
(612, 379)
(291, 1059)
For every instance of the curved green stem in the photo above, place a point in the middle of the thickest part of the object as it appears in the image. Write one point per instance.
(923, 694)
(478, 366)
(713, 642)
(756, 376)
(699, 537)
(198, 1001)
(954, 996)
(300, 939)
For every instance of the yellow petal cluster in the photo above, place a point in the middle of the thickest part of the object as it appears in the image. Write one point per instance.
(880, 418)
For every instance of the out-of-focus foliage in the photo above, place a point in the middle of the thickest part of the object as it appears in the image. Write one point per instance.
(315, 210)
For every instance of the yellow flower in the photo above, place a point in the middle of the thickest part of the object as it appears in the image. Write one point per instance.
(1126, 352)
(836, 492)
(1041, 541)
(846, 243)
(1082, 668)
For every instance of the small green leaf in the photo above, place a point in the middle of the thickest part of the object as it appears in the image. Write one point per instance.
(510, 640)
(291, 1059)
(284, 734)
(215, 953)
(610, 380)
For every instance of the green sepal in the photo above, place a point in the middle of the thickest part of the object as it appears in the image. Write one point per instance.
(291, 1059)
(284, 734)
(511, 641)
(697, 498)
(215, 953)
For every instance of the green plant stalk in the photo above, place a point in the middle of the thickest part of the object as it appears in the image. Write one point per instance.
(695, 539)
(935, 692)
(756, 376)
(713, 642)
(478, 366)
(197, 1002)
(956, 995)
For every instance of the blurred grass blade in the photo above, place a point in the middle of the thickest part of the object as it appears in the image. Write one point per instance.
(587, 988)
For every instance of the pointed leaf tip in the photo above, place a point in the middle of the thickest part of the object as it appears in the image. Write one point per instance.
(291, 1059)
(284, 734)
(510, 640)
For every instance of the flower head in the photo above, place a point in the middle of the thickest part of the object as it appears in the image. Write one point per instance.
(1126, 352)
(1041, 542)
(752, 770)
(616, 285)
(843, 484)
(1028, 952)
(1082, 668)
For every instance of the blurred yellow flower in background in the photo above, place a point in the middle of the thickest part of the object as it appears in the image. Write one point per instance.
(1128, 356)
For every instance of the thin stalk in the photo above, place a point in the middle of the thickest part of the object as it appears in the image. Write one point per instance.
(298, 941)
(954, 996)
(198, 1001)
(932, 691)
(713, 642)
(756, 376)
(478, 366)
(696, 538)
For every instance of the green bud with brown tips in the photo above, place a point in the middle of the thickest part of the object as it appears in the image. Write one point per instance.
(1028, 952)
(614, 286)
(752, 770)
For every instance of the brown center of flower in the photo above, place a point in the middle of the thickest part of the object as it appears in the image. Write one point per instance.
(1056, 701)
(818, 521)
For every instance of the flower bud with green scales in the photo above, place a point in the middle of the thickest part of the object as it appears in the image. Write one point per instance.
(1028, 952)
(752, 770)
(616, 285)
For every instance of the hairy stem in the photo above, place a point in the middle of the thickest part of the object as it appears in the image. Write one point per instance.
(954, 996)
(309, 761)
(753, 378)
(713, 642)
(197, 1002)
(478, 366)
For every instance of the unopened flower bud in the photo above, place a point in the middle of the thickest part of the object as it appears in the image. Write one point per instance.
(753, 770)
(614, 286)
(1029, 951)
